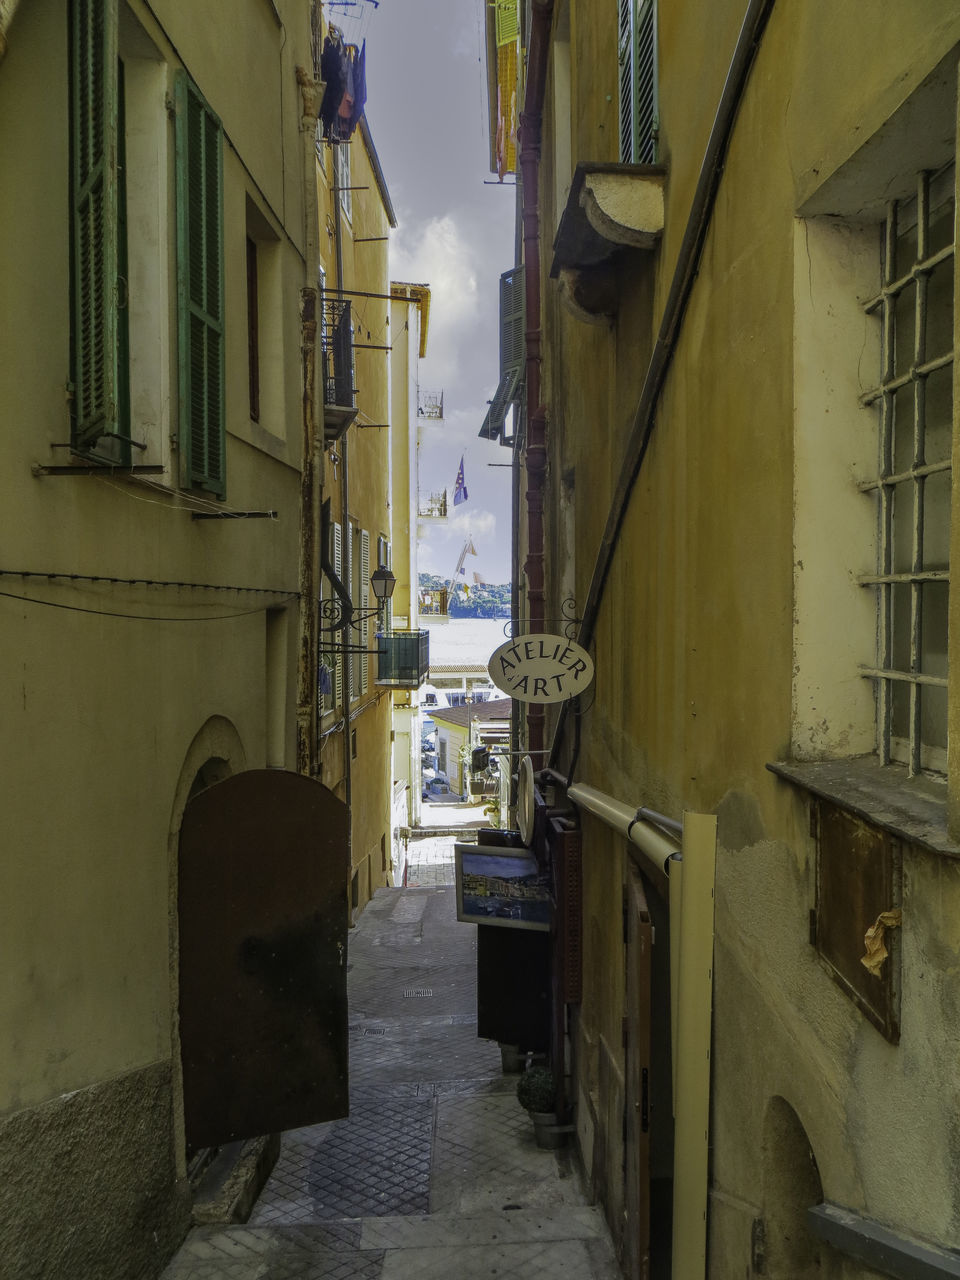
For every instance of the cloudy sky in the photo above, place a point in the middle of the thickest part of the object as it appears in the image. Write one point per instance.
(426, 107)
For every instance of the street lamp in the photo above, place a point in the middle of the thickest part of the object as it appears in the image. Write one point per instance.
(340, 612)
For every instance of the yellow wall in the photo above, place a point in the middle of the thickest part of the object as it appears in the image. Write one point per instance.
(694, 646)
(365, 448)
(106, 719)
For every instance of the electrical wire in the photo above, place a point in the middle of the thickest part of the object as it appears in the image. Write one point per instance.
(146, 582)
(136, 617)
(202, 505)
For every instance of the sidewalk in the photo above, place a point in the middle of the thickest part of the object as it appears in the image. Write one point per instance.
(435, 1173)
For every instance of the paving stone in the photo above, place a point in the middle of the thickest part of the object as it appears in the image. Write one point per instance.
(413, 1184)
(375, 1161)
(288, 1253)
(565, 1260)
(438, 1230)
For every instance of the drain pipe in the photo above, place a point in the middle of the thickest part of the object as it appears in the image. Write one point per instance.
(689, 866)
(531, 118)
(681, 287)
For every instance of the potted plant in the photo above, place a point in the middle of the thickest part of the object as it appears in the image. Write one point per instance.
(537, 1093)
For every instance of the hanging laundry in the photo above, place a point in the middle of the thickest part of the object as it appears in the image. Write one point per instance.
(333, 70)
(343, 68)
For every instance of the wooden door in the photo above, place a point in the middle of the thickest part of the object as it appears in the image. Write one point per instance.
(639, 938)
(262, 905)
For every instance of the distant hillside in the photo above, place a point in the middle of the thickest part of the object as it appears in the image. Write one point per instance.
(482, 600)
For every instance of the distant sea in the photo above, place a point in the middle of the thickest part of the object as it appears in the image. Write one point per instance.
(466, 640)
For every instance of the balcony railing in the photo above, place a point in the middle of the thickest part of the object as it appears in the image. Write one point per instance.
(434, 507)
(403, 658)
(336, 367)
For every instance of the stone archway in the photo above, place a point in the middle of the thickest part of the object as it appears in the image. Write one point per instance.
(791, 1184)
(215, 753)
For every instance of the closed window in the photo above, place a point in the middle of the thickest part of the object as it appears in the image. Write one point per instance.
(913, 401)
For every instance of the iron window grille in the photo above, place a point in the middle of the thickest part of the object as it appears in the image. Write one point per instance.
(912, 490)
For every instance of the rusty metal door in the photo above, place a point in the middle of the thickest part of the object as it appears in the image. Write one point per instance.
(637, 1100)
(263, 932)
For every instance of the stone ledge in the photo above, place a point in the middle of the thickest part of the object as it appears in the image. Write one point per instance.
(913, 809)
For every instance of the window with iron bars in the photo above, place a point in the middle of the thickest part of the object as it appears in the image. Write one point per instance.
(912, 488)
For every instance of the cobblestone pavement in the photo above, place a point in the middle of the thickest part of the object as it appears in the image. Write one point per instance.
(435, 1173)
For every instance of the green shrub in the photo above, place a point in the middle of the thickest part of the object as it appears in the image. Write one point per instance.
(536, 1090)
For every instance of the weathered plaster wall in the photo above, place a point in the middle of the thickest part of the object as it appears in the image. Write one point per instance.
(694, 645)
(88, 1184)
(99, 712)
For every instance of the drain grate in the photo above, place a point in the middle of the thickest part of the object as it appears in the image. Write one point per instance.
(374, 1031)
(417, 991)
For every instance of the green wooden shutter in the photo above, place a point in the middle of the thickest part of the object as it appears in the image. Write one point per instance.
(512, 351)
(94, 194)
(646, 108)
(625, 58)
(200, 289)
(364, 604)
(637, 55)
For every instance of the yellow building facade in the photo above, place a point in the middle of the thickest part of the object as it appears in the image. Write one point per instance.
(739, 224)
(177, 459)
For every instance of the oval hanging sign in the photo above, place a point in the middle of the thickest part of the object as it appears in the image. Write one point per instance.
(541, 668)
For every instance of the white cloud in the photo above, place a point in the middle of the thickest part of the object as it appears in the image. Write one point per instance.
(470, 523)
(438, 254)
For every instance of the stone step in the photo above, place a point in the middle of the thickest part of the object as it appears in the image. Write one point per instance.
(568, 1244)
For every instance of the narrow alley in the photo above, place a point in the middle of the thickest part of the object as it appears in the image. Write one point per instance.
(435, 1173)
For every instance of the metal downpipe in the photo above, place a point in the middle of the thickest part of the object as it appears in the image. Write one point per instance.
(536, 450)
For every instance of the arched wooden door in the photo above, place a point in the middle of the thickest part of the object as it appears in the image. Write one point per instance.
(262, 905)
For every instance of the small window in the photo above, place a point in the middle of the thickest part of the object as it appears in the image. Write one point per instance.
(253, 330)
(912, 485)
(341, 177)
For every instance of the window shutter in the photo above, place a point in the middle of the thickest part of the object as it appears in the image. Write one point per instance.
(647, 122)
(94, 195)
(507, 22)
(364, 604)
(200, 289)
(338, 660)
(512, 351)
(625, 58)
(511, 320)
(637, 55)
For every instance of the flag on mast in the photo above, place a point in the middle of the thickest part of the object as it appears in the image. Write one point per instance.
(460, 489)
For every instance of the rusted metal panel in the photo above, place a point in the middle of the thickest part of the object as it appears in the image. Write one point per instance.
(858, 878)
(263, 932)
